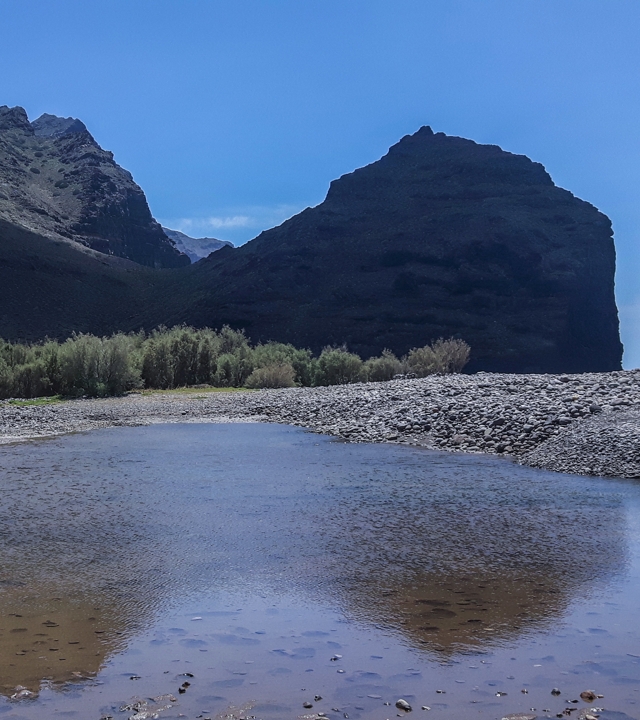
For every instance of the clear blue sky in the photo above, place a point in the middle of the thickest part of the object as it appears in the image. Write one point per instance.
(234, 115)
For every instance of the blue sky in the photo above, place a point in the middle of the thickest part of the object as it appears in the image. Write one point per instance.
(234, 115)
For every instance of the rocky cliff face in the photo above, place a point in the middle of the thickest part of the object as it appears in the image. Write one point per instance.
(441, 237)
(56, 181)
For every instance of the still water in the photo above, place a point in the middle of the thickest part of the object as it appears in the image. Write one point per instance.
(265, 567)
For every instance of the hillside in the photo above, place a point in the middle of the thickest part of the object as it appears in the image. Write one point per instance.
(54, 288)
(55, 180)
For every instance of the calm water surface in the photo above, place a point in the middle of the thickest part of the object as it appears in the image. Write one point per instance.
(274, 566)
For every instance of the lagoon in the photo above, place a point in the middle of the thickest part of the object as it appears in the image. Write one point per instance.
(266, 566)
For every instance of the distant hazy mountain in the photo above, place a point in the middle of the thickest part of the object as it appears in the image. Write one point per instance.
(195, 248)
(56, 181)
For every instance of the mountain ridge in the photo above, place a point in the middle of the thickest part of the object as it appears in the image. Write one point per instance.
(57, 181)
(441, 237)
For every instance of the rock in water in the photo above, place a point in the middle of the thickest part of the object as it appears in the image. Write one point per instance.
(441, 237)
(59, 183)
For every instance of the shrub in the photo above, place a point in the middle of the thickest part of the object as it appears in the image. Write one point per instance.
(272, 376)
(97, 366)
(183, 348)
(118, 370)
(379, 369)
(337, 366)
(31, 380)
(422, 361)
(49, 353)
(452, 355)
(273, 353)
(157, 363)
(79, 366)
(442, 356)
(208, 351)
(183, 356)
(234, 369)
(232, 341)
(6, 379)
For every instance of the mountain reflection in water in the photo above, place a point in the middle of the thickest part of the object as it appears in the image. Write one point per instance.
(100, 532)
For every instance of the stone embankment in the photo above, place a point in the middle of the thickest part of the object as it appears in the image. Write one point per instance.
(588, 424)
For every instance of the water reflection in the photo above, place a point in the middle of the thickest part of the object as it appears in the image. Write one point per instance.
(465, 552)
(101, 532)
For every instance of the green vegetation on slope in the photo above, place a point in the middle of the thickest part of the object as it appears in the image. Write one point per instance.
(184, 356)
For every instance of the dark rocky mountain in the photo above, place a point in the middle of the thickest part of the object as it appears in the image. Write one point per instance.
(55, 180)
(441, 237)
(195, 248)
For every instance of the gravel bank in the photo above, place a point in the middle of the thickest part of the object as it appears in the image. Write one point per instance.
(588, 424)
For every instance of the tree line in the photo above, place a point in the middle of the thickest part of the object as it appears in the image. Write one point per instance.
(184, 356)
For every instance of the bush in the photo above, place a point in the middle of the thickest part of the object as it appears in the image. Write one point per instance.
(337, 366)
(97, 366)
(273, 353)
(442, 356)
(118, 370)
(157, 363)
(379, 369)
(31, 380)
(422, 361)
(183, 356)
(452, 355)
(183, 347)
(79, 366)
(6, 379)
(272, 376)
(234, 369)
(232, 341)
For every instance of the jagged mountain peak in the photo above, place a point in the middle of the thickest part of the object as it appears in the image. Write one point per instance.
(14, 118)
(56, 181)
(436, 165)
(53, 126)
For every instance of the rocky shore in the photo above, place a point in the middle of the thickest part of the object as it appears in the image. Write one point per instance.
(587, 424)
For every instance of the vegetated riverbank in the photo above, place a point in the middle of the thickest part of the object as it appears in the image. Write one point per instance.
(587, 424)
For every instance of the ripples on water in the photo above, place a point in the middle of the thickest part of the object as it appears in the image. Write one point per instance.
(419, 568)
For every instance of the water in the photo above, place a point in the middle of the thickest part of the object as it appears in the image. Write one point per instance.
(274, 565)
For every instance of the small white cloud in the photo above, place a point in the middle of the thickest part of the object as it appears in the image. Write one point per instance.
(187, 225)
(236, 224)
(630, 331)
(228, 222)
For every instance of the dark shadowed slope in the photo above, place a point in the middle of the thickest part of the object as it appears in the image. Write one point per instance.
(440, 237)
(54, 288)
(57, 181)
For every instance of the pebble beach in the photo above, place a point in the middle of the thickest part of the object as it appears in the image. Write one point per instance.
(586, 424)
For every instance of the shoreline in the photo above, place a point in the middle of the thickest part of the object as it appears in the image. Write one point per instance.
(587, 424)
